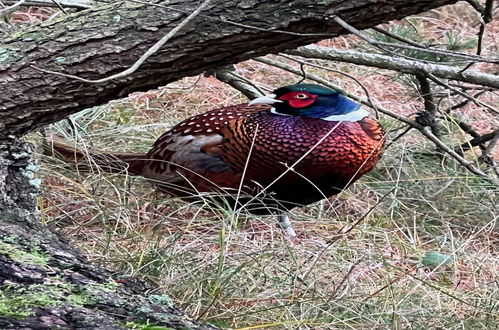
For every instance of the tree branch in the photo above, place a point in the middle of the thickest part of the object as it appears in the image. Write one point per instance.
(79, 4)
(110, 37)
(426, 131)
(228, 75)
(476, 141)
(458, 91)
(398, 64)
(9, 9)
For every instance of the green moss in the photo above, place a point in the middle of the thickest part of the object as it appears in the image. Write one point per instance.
(8, 55)
(145, 325)
(33, 257)
(109, 286)
(161, 299)
(18, 301)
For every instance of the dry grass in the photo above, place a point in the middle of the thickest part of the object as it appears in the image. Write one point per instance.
(241, 272)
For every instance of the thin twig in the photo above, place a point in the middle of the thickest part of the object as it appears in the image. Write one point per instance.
(465, 127)
(228, 75)
(399, 38)
(486, 17)
(143, 58)
(464, 103)
(476, 141)
(58, 5)
(395, 139)
(426, 131)
(466, 95)
(8, 9)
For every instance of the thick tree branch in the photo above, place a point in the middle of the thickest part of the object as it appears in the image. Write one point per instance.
(135, 66)
(38, 265)
(107, 39)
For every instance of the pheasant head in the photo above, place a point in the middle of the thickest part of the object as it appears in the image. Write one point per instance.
(312, 101)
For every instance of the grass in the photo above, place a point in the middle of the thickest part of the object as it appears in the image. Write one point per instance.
(423, 254)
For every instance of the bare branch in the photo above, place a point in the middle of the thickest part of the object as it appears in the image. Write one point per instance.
(227, 75)
(426, 94)
(485, 18)
(9, 9)
(458, 91)
(477, 141)
(465, 127)
(463, 103)
(426, 131)
(399, 38)
(398, 64)
(429, 103)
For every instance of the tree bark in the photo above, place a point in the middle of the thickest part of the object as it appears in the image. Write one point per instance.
(109, 38)
(44, 282)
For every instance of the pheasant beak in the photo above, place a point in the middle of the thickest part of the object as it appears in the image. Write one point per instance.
(267, 99)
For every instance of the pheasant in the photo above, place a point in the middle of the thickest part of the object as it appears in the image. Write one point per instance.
(291, 148)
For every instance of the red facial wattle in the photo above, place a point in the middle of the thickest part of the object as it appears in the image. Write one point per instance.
(299, 100)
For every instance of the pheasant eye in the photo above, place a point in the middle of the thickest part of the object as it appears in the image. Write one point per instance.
(301, 96)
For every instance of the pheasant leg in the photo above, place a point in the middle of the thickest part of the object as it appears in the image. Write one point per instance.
(285, 224)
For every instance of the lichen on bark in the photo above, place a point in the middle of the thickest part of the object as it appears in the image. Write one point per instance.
(47, 284)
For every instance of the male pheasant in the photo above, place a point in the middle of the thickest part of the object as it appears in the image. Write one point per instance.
(291, 148)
